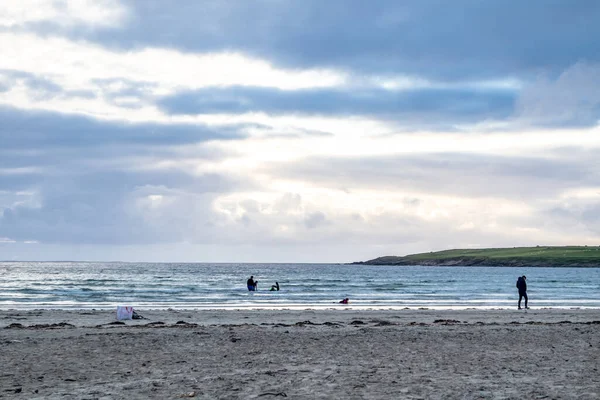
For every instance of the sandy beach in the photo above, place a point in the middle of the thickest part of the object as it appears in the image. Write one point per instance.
(329, 354)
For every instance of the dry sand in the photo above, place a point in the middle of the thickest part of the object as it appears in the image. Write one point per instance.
(329, 354)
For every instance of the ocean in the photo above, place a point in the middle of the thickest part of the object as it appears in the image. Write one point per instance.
(86, 285)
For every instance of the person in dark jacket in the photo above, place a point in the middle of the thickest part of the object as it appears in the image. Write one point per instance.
(522, 287)
(252, 284)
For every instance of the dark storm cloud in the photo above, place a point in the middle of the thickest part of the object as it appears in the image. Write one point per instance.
(462, 42)
(100, 207)
(40, 145)
(29, 129)
(433, 38)
(85, 176)
(450, 105)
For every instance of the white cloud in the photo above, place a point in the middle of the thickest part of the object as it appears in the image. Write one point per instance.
(19, 171)
(141, 75)
(405, 82)
(77, 65)
(360, 138)
(295, 208)
(123, 85)
(65, 13)
(572, 98)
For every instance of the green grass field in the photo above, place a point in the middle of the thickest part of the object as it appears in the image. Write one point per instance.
(571, 252)
(539, 255)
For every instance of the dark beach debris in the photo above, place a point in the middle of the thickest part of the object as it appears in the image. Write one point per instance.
(40, 326)
(273, 373)
(183, 324)
(110, 324)
(357, 322)
(446, 321)
(10, 342)
(282, 394)
(301, 323)
(14, 325)
(53, 326)
(154, 323)
(70, 380)
(160, 324)
(382, 323)
(304, 323)
(135, 315)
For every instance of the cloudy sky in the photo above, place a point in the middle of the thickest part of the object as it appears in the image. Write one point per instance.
(296, 130)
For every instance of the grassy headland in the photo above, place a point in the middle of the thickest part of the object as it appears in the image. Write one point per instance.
(539, 256)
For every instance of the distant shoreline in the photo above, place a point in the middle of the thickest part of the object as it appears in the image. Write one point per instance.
(531, 257)
(466, 262)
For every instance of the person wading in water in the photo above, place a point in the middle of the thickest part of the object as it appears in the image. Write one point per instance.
(251, 283)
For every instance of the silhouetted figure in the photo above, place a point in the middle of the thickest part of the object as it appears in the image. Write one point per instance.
(345, 301)
(522, 287)
(251, 283)
(275, 287)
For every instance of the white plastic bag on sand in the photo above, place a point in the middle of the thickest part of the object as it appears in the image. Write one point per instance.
(124, 312)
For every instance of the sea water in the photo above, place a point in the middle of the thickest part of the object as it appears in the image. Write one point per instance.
(63, 285)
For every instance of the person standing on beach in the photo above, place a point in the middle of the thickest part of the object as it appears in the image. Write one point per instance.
(522, 287)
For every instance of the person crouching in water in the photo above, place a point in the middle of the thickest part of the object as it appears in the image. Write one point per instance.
(345, 301)
(275, 287)
(251, 283)
(522, 287)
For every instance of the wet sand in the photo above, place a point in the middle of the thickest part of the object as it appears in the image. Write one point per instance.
(329, 354)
